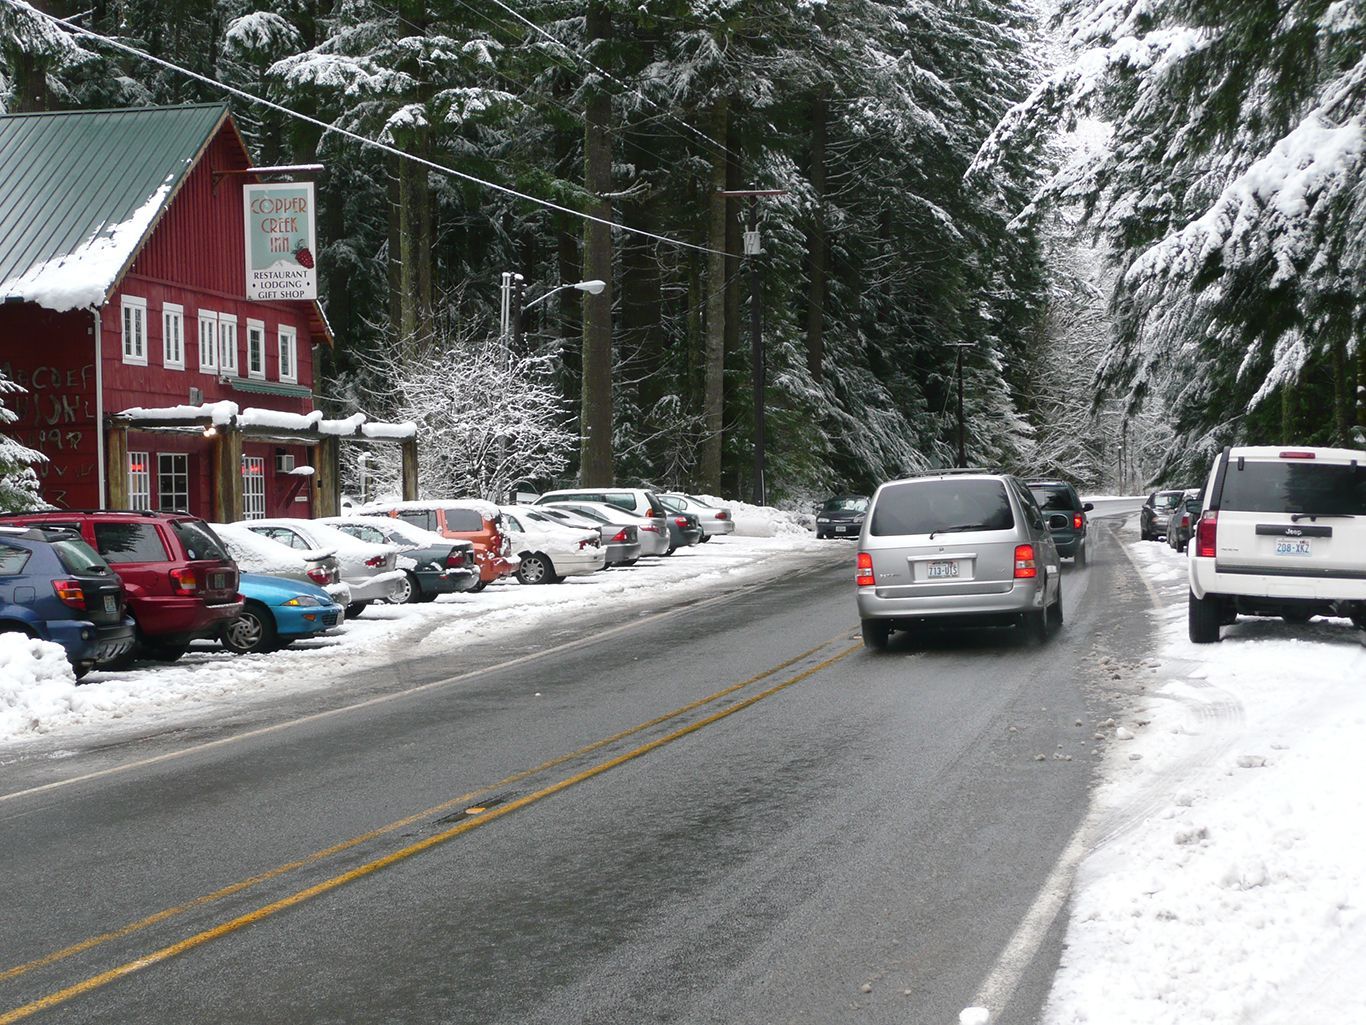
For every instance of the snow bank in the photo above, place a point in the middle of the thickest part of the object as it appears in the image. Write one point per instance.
(36, 683)
(763, 520)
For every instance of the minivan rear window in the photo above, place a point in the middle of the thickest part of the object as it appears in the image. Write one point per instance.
(1327, 489)
(941, 506)
(424, 518)
(129, 542)
(467, 520)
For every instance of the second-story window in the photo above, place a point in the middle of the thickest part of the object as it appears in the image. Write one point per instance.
(289, 355)
(208, 342)
(134, 330)
(227, 338)
(256, 349)
(173, 336)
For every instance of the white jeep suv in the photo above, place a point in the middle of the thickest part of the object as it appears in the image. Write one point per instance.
(1282, 532)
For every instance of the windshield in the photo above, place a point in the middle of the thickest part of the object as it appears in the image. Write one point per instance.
(846, 503)
(942, 506)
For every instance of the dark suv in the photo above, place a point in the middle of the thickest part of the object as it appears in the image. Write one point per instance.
(1069, 529)
(55, 587)
(181, 584)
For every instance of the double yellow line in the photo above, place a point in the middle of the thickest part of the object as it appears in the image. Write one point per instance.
(477, 817)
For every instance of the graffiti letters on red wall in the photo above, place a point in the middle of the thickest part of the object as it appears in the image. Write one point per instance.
(56, 415)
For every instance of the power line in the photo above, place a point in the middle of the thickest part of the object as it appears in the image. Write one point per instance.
(354, 136)
(612, 78)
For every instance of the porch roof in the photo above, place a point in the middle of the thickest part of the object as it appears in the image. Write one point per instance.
(262, 423)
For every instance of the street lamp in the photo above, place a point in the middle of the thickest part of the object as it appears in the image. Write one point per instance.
(514, 305)
(1123, 445)
(962, 442)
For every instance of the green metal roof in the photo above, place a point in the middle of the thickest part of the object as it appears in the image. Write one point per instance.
(82, 190)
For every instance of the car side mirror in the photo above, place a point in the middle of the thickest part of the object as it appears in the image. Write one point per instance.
(1057, 521)
(1088, 506)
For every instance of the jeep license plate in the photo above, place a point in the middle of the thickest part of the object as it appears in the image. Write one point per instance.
(942, 570)
(1301, 546)
(110, 603)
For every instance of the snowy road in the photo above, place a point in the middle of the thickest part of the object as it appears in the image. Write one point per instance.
(724, 812)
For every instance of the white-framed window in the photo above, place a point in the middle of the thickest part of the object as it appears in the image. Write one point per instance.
(253, 488)
(173, 336)
(256, 348)
(208, 342)
(139, 481)
(134, 330)
(173, 482)
(227, 344)
(289, 355)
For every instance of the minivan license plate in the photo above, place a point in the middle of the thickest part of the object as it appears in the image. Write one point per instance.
(1294, 547)
(939, 570)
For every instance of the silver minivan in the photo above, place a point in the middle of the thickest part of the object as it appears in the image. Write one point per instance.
(955, 547)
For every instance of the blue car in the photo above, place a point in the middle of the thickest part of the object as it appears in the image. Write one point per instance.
(277, 612)
(55, 587)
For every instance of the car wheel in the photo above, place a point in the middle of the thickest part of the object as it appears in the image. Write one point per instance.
(1053, 614)
(1359, 620)
(536, 569)
(1035, 625)
(252, 632)
(82, 670)
(479, 587)
(1203, 616)
(875, 634)
(1298, 618)
(163, 652)
(356, 608)
(407, 591)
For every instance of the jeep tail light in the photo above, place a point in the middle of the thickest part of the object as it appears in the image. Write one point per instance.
(1026, 568)
(865, 576)
(1297, 455)
(319, 575)
(375, 562)
(184, 581)
(620, 537)
(1206, 534)
(1077, 520)
(456, 559)
(69, 591)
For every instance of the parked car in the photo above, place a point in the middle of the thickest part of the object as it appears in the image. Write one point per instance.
(466, 519)
(713, 520)
(55, 587)
(551, 552)
(1282, 532)
(1069, 533)
(841, 516)
(685, 530)
(957, 547)
(620, 543)
(370, 570)
(1181, 522)
(264, 557)
(652, 531)
(637, 501)
(179, 581)
(432, 565)
(1152, 517)
(276, 612)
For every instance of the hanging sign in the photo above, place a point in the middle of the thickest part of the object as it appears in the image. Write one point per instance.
(281, 241)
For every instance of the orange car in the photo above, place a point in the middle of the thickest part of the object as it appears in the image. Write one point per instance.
(467, 519)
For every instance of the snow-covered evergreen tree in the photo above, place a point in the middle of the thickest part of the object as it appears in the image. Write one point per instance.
(18, 481)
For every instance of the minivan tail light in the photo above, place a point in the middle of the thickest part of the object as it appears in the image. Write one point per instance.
(70, 592)
(184, 581)
(1297, 455)
(1025, 566)
(865, 576)
(1206, 534)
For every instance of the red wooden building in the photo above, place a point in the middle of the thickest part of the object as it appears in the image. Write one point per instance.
(152, 381)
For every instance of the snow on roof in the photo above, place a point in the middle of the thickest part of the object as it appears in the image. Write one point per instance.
(254, 417)
(350, 425)
(224, 413)
(82, 278)
(398, 432)
(218, 413)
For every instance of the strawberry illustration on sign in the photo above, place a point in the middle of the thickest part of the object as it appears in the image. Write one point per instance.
(304, 255)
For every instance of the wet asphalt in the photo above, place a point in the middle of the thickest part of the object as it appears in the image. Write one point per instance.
(723, 813)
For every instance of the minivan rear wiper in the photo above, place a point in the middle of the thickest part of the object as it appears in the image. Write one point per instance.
(963, 527)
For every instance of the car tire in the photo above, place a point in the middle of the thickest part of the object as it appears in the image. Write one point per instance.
(164, 652)
(705, 539)
(1036, 625)
(1080, 559)
(1053, 614)
(408, 592)
(479, 587)
(1298, 618)
(631, 562)
(82, 670)
(251, 633)
(536, 569)
(1359, 620)
(356, 608)
(876, 633)
(1203, 616)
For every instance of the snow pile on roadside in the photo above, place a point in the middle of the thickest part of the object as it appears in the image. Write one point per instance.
(1227, 884)
(36, 683)
(763, 520)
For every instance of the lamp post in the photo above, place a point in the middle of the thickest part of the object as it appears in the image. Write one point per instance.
(958, 370)
(1122, 467)
(514, 305)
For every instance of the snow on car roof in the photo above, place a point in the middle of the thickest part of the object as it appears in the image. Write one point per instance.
(487, 508)
(324, 532)
(260, 554)
(404, 529)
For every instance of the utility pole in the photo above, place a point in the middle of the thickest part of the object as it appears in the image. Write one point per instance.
(758, 360)
(962, 431)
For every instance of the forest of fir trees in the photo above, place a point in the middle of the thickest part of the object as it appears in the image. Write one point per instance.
(933, 194)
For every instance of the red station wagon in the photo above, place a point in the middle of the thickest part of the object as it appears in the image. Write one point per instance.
(180, 583)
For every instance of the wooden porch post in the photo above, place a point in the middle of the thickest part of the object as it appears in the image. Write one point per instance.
(116, 466)
(328, 476)
(227, 461)
(410, 470)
